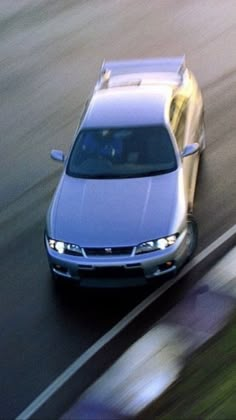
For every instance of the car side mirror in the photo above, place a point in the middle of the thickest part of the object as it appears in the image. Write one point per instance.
(190, 149)
(58, 155)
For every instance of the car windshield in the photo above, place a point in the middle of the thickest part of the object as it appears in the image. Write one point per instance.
(122, 153)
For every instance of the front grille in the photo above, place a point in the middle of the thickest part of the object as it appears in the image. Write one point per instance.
(111, 273)
(108, 252)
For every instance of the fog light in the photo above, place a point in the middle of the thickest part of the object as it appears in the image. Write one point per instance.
(169, 263)
(60, 268)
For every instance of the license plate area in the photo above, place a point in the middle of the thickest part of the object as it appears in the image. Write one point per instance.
(110, 273)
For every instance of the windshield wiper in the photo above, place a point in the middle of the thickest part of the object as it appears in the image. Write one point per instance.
(123, 176)
(154, 173)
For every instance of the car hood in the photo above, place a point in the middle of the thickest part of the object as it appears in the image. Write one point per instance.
(116, 212)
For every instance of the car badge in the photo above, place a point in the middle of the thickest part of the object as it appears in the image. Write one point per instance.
(108, 250)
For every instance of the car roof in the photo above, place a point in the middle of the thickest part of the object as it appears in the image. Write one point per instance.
(134, 92)
(126, 107)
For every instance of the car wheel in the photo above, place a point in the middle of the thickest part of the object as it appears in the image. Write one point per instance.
(192, 236)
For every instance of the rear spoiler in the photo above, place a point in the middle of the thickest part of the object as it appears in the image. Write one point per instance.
(109, 69)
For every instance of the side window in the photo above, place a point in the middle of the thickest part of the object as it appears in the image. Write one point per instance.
(178, 115)
(173, 114)
(200, 127)
(180, 130)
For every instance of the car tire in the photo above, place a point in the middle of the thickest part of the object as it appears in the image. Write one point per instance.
(192, 236)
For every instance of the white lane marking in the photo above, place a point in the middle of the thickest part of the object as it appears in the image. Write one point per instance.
(88, 354)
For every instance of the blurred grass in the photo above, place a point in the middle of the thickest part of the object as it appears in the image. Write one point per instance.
(206, 388)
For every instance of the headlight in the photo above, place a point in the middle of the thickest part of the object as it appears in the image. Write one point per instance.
(155, 245)
(64, 248)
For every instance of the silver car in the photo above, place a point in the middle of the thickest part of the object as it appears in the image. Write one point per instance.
(122, 212)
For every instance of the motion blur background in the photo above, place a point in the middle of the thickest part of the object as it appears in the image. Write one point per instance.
(50, 55)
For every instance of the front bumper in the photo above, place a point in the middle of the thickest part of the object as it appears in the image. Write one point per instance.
(119, 271)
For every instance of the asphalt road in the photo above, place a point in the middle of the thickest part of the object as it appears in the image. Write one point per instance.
(50, 54)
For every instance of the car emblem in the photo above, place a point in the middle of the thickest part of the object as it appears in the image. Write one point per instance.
(108, 250)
